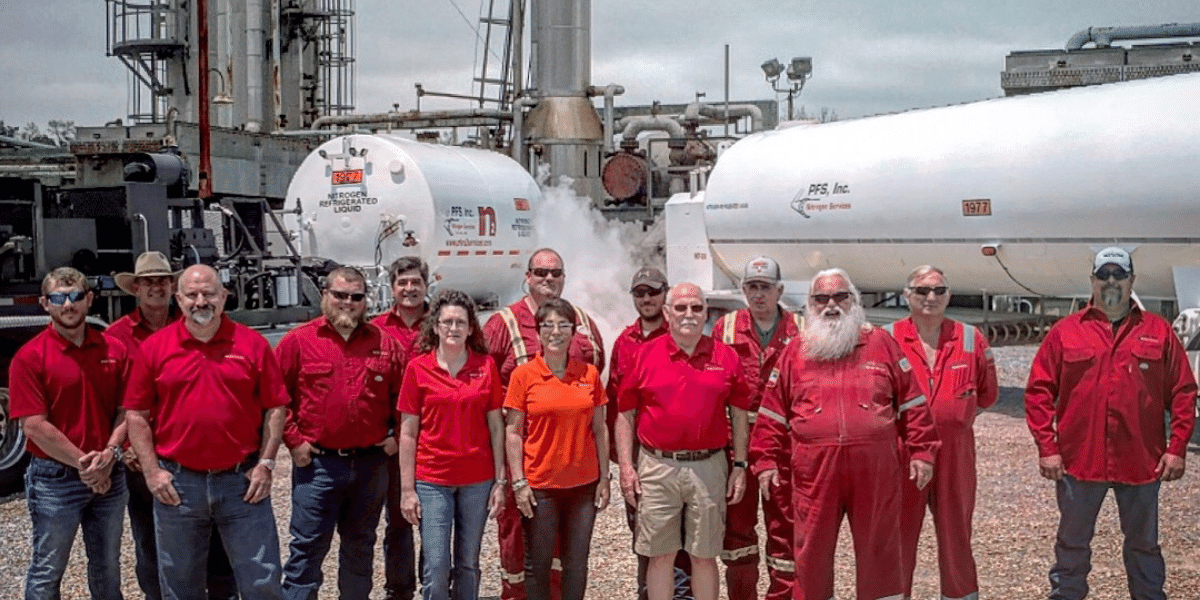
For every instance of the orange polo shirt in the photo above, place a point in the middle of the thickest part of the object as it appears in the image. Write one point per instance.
(560, 449)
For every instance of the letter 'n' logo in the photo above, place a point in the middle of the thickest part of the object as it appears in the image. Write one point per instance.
(487, 221)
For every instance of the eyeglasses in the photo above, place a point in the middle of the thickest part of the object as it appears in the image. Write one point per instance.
(823, 299)
(60, 298)
(1118, 273)
(453, 324)
(924, 290)
(559, 326)
(542, 272)
(343, 296)
(642, 292)
(683, 309)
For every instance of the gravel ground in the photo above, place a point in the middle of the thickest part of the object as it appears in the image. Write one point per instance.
(1014, 527)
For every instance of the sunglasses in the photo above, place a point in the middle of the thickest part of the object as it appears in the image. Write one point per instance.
(823, 299)
(59, 298)
(924, 290)
(343, 296)
(642, 292)
(1118, 273)
(683, 309)
(542, 272)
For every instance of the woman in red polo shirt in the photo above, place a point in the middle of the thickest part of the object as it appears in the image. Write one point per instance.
(557, 439)
(451, 446)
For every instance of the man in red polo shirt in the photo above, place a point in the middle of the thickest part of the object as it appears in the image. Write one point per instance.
(65, 387)
(689, 399)
(840, 396)
(342, 375)
(759, 334)
(206, 407)
(512, 339)
(152, 282)
(410, 285)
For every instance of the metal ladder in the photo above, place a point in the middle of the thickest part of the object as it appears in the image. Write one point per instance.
(499, 36)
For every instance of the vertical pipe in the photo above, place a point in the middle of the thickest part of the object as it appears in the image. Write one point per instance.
(517, 28)
(254, 65)
(726, 91)
(276, 61)
(205, 178)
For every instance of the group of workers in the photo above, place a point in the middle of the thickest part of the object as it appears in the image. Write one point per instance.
(434, 421)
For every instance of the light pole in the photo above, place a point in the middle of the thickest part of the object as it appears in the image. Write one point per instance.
(797, 73)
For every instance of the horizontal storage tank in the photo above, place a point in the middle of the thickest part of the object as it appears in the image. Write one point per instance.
(366, 200)
(1046, 180)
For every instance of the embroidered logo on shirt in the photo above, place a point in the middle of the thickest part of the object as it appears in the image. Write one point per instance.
(904, 366)
(773, 377)
(1144, 366)
(959, 366)
(237, 357)
(713, 368)
(876, 366)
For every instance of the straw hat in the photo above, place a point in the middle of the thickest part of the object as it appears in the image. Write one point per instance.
(149, 264)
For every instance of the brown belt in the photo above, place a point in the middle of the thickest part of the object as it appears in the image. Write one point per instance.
(683, 455)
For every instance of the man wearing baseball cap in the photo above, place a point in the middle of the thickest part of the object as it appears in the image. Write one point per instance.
(1098, 390)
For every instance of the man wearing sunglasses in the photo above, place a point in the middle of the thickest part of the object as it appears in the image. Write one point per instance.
(953, 365)
(839, 401)
(206, 407)
(152, 282)
(65, 387)
(342, 375)
(512, 339)
(687, 400)
(758, 334)
(648, 289)
(1099, 389)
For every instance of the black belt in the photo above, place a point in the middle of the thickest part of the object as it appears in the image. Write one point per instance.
(245, 465)
(346, 452)
(684, 455)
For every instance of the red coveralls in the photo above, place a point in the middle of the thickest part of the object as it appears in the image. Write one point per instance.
(838, 422)
(740, 550)
(586, 346)
(960, 382)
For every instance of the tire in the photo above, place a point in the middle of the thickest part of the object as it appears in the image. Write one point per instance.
(13, 457)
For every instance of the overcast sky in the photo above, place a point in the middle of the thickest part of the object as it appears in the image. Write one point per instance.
(869, 56)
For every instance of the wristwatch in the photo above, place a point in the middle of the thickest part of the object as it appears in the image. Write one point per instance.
(741, 463)
(269, 463)
(520, 484)
(116, 453)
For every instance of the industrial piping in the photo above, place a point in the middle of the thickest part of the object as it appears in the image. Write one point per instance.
(1103, 37)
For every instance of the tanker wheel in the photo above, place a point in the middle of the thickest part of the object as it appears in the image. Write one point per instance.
(13, 457)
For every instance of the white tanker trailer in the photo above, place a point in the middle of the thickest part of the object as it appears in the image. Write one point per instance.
(1010, 196)
(365, 200)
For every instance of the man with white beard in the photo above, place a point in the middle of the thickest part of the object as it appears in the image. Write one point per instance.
(836, 404)
(1099, 388)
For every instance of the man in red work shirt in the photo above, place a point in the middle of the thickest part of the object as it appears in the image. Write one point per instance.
(953, 365)
(834, 406)
(759, 334)
(649, 292)
(65, 387)
(689, 399)
(512, 339)
(342, 375)
(152, 282)
(1099, 389)
(410, 285)
(206, 407)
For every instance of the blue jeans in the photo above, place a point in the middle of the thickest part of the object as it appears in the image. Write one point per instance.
(1078, 505)
(211, 501)
(399, 550)
(345, 494)
(59, 504)
(569, 516)
(458, 512)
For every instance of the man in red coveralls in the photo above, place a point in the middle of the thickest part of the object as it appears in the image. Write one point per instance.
(689, 399)
(206, 407)
(649, 292)
(410, 285)
(342, 375)
(512, 339)
(953, 365)
(152, 282)
(834, 406)
(759, 334)
(1100, 388)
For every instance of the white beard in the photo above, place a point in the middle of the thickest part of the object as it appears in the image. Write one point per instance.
(203, 316)
(828, 338)
(1110, 296)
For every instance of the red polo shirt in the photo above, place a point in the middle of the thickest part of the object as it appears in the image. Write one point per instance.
(206, 399)
(624, 353)
(407, 336)
(499, 342)
(341, 390)
(681, 400)
(132, 330)
(78, 388)
(454, 446)
(560, 446)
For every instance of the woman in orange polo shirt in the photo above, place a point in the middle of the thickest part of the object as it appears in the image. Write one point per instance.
(556, 438)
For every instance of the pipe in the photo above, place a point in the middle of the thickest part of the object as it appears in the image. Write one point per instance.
(205, 179)
(637, 125)
(400, 118)
(29, 169)
(694, 111)
(28, 144)
(609, 92)
(254, 65)
(1104, 36)
(518, 132)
